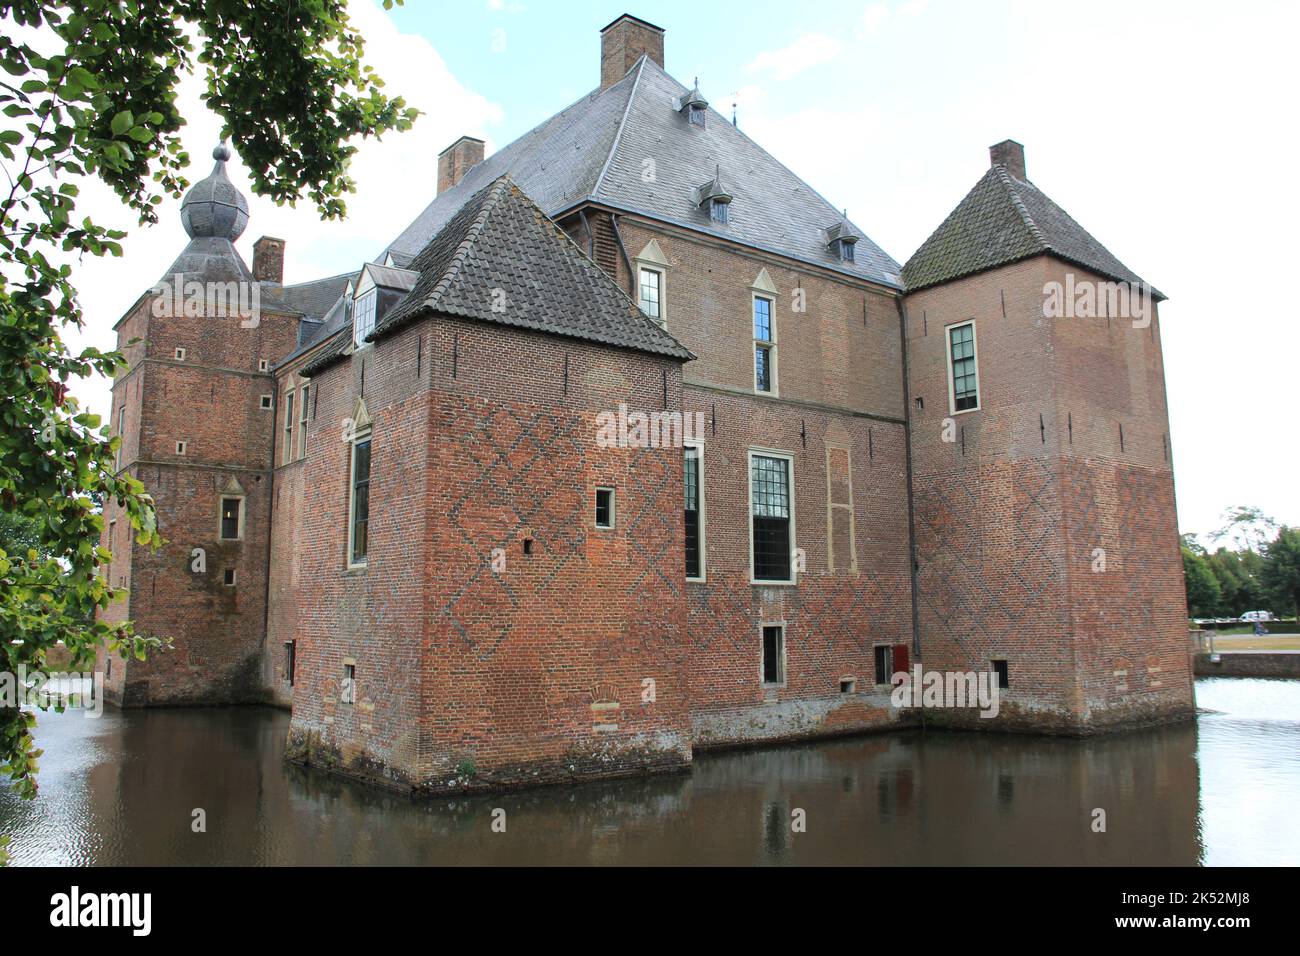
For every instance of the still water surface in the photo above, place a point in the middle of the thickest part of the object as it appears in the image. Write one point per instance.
(1222, 790)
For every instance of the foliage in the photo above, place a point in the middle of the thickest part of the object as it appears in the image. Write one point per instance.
(88, 90)
(1281, 571)
(1203, 592)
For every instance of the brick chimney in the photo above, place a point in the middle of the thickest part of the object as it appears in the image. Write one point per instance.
(268, 260)
(623, 42)
(1010, 154)
(458, 159)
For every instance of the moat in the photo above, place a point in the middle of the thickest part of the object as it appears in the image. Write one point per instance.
(123, 789)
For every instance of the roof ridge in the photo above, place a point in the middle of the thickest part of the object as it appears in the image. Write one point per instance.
(1005, 176)
(495, 191)
(627, 109)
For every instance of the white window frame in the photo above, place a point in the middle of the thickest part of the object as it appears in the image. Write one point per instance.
(268, 403)
(613, 507)
(286, 430)
(785, 671)
(179, 353)
(770, 299)
(658, 271)
(365, 290)
(698, 445)
(952, 387)
(364, 435)
(749, 512)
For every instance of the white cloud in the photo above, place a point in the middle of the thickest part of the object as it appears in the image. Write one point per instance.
(874, 17)
(811, 49)
(396, 177)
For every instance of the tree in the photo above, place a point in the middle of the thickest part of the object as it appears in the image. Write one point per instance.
(89, 90)
(1281, 571)
(1247, 527)
(1203, 592)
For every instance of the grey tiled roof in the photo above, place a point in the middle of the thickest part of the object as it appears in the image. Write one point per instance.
(604, 147)
(313, 299)
(501, 260)
(1002, 220)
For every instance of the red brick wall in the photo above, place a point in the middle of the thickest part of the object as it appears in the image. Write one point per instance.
(461, 666)
(1010, 512)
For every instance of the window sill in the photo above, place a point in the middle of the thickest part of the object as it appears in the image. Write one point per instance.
(772, 584)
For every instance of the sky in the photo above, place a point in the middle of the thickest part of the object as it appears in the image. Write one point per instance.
(1161, 126)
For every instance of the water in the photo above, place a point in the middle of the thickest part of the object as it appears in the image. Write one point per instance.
(1222, 790)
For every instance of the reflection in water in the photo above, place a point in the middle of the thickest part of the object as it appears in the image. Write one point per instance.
(122, 790)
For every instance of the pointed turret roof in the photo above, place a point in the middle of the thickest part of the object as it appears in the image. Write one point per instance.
(1004, 219)
(214, 214)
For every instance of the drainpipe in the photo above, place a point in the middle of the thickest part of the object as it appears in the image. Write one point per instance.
(911, 503)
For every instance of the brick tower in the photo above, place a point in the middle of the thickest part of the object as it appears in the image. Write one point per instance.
(1047, 541)
(195, 411)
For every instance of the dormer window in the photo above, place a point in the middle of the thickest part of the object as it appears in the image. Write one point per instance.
(842, 240)
(714, 197)
(363, 316)
(695, 106)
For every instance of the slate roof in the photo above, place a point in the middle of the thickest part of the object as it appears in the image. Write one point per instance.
(1002, 220)
(312, 299)
(501, 260)
(597, 149)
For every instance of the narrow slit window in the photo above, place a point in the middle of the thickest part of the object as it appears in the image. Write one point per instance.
(1003, 674)
(359, 527)
(961, 360)
(290, 661)
(348, 686)
(773, 654)
(230, 577)
(694, 490)
(764, 345)
(605, 508)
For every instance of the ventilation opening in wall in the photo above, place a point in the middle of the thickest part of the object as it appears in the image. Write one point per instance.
(848, 686)
(528, 545)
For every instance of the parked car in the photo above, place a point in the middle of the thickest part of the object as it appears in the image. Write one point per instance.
(1250, 617)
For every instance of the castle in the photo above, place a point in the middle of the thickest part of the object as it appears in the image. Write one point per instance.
(391, 500)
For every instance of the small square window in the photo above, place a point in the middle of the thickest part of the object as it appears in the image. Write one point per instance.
(773, 654)
(1004, 676)
(180, 355)
(230, 577)
(263, 365)
(848, 686)
(266, 402)
(180, 448)
(604, 507)
(348, 688)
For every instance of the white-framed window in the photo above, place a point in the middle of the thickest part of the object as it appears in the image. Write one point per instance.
(303, 394)
(963, 368)
(359, 502)
(264, 365)
(286, 449)
(693, 480)
(180, 447)
(229, 578)
(268, 402)
(230, 518)
(604, 502)
(773, 662)
(771, 522)
(348, 686)
(180, 355)
(363, 316)
(651, 293)
(764, 310)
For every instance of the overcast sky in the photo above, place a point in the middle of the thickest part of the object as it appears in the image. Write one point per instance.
(1167, 129)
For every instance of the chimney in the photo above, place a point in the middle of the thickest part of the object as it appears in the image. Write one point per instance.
(1010, 154)
(458, 159)
(268, 260)
(623, 42)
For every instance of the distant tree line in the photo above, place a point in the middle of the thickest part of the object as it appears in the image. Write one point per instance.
(1256, 567)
